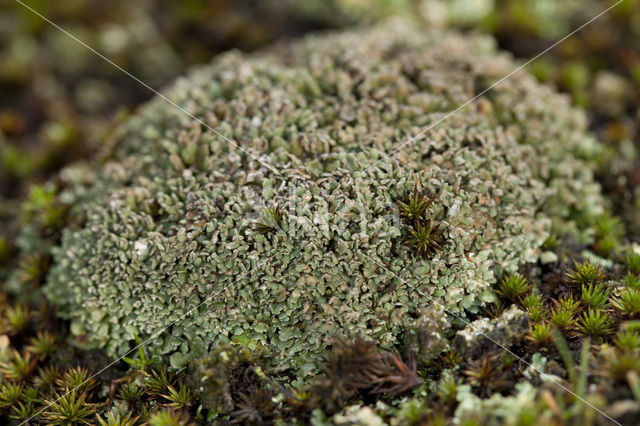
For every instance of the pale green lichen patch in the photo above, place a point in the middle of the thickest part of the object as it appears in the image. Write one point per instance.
(483, 334)
(171, 213)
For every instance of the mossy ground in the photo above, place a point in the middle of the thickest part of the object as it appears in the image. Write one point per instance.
(603, 369)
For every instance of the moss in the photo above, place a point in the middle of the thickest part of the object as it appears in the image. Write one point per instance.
(216, 377)
(513, 287)
(427, 337)
(170, 215)
(506, 330)
(540, 334)
(37, 386)
(586, 272)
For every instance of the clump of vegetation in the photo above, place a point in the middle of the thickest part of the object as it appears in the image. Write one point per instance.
(414, 209)
(589, 310)
(532, 305)
(43, 380)
(342, 199)
(595, 295)
(425, 239)
(116, 419)
(632, 261)
(563, 318)
(68, 408)
(628, 303)
(631, 281)
(489, 374)
(15, 319)
(513, 287)
(609, 231)
(270, 220)
(541, 333)
(596, 322)
(423, 236)
(357, 368)
(360, 379)
(586, 273)
(569, 303)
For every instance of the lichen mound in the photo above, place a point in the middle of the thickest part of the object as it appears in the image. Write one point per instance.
(170, 210)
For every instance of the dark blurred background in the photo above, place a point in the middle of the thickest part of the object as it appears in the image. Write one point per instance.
(58, 100)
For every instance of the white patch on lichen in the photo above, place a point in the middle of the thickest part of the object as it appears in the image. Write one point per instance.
(140, 247)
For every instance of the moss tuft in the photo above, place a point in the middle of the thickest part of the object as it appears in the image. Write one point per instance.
(169, 227)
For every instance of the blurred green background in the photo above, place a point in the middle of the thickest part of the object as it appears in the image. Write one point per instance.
(58, 100)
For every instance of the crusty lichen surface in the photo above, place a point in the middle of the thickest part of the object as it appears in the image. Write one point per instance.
(170, 211)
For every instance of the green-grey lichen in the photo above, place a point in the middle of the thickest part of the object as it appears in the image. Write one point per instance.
(213, 376)
(497, 410)
(485, 333)
(427, 336)
(171, 212)
(361, 416)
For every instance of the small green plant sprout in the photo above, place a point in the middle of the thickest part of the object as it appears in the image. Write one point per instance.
(563, 319)
(130, 393)
(256, 408)
(618, 363)
(568, 303)
(494, 310)
(42, 345)
(595, 295)
(169, 417)
(46, 377)
(513, 287)
(158, 381)
(606, 245)
(178, 398)
(141, 363)
(536, 313)
(30, 394)
(550, 243)
(43, 207)
(32, 269)
(22, 411)
(68, 408)
(485, 374)
(540, 334)
(633, 262)
(270, 220)
(586, 273)
(627, 340)
(452, 359)
(116, 419)
(448, 388)
(628, 303)
(77, 378)
(596, 323)
(15, 320)
(414, 208)
(631, 281)
(17, 368)
(9, 394)
(426, 238)
(533, 305)
(609, 230)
